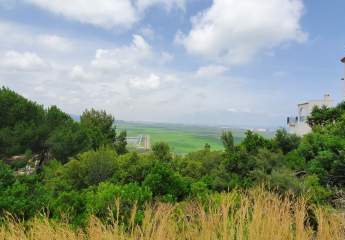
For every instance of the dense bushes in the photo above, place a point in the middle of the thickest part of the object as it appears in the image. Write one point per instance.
(117, 200)
(22, 196)
(165, 182)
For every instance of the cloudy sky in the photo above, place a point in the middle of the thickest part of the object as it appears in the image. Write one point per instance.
(214, 62)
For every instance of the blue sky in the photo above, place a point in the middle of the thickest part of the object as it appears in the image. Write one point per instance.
(214, 62)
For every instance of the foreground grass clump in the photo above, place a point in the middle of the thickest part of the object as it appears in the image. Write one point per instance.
(246, 216)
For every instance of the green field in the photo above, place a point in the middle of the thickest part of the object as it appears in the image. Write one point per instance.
(181, 138)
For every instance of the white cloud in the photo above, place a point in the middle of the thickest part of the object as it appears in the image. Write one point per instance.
(168, 4)
(39, 89)
(234, 31)
(123, 57)
(145, 83)
(19, 36)
(140, 43)
(147, 31)
(104, 13)
(166, 57)
(14, 34)
(22, 61)
(210, 71)
(79, 73)
(236, 110)
(55, 42)
(233, 110)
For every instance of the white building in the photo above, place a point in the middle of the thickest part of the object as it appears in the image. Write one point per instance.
(298, 124)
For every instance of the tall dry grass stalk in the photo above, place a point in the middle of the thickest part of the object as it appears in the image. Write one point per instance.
(256, 215)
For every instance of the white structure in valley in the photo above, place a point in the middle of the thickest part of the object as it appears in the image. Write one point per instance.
(141, 142)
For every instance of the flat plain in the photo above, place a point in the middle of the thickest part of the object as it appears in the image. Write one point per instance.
(182, 138)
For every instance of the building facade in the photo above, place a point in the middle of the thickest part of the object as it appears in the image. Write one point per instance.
(298, 124)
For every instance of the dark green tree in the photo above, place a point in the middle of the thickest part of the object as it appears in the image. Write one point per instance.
(228, 141)
(7, 177)
(161, 152)
(92, 167)
(20, 124)
(253, 142)
(286, 142)
(133, 167)
(121, 143)
(15, 109)
(100, 127)
(67, 141)
(207, 147)
(163, 181)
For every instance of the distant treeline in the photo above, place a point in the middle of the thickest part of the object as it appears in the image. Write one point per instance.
(84, 166)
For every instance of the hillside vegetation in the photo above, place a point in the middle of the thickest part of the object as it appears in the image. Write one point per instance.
(84, 178)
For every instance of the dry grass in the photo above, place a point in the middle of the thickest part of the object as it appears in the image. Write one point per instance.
(234, 216)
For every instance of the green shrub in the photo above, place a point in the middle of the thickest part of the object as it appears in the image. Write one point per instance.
(102, 201)
(162, 180)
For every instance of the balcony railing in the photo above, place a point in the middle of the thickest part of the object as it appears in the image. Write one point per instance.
(292, 120)
(295, 120)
